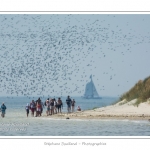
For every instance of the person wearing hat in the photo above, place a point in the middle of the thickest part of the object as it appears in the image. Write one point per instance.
(3, 109)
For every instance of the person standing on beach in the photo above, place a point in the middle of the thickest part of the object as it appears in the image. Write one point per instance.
(52, 106)
(68, 102)
(32, 107)
(73, 105)
(42, 106)
(3, 109)
(59, 105)
(38, 109)
(27, 109)
(55, 106)
(48, 107)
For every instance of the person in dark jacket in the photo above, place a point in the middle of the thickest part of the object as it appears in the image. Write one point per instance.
(3, 110)
(68, 102)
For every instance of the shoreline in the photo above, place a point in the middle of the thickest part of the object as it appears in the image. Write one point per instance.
(98, 117)
(119, 111)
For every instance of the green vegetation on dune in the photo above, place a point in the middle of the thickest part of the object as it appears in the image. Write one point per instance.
(140, 91)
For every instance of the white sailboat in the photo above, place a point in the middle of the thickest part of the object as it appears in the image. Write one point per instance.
(90, 91)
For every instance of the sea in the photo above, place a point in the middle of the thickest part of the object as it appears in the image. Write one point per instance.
(15, 122)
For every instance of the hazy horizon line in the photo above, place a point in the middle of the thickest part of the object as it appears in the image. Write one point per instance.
(51, 96)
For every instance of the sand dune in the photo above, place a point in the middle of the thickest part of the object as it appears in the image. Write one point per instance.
(120, 110)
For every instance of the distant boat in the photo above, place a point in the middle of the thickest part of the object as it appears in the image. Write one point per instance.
(90, 91)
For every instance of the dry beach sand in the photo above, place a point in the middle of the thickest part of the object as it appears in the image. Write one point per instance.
(120, 110)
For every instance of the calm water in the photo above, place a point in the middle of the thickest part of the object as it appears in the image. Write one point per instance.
(17, 124)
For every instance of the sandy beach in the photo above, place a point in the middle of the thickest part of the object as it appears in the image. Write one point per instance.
(120, 110)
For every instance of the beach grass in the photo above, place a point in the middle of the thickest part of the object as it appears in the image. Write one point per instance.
(140, 91)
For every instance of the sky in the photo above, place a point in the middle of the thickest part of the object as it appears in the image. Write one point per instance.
(54, 55)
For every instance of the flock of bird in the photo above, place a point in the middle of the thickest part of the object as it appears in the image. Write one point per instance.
(41, 57)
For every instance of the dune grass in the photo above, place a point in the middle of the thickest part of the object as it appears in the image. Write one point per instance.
(140, 91)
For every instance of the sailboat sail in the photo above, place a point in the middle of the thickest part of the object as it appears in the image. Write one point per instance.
(95, 92)
(90, 90)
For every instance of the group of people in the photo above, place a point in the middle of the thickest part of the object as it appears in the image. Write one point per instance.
(71, 105)
(36, 107)
(53, 106)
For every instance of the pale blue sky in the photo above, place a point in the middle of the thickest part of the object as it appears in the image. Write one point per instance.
(113, 48)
